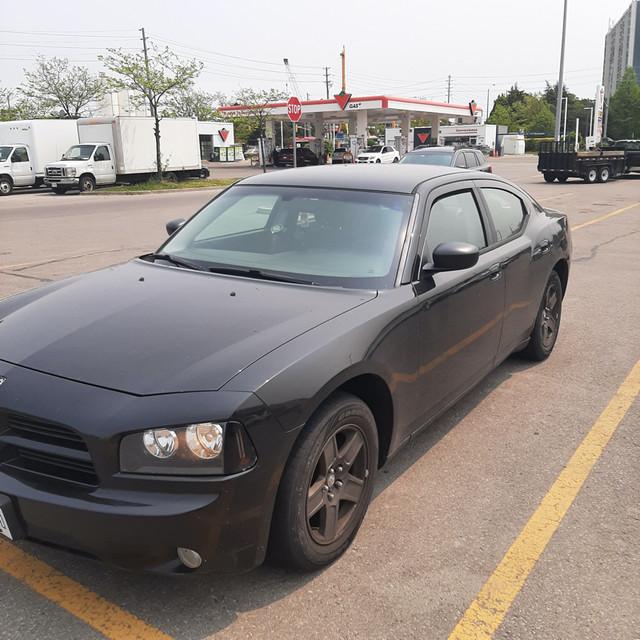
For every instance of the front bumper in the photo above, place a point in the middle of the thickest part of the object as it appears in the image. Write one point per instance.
(135, 520)
(64, 181)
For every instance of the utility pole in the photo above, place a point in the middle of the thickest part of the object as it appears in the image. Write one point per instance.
(326, 79)
(449, 90)
(344, 81)
(146, 64)
(560, 90)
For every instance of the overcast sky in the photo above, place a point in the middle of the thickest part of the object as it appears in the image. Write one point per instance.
(404, 48)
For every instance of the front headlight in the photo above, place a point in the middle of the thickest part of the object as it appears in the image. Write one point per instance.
(205, 448)
(71, 172)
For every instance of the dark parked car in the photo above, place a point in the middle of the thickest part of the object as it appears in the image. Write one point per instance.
(240, 387)
(463, 158)
(304, 157)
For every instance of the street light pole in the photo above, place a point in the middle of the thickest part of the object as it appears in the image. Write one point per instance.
(488, 90)
(566, 107)
(561, 74)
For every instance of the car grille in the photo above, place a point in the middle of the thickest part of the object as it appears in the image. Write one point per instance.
(55, 172)
(44, 448)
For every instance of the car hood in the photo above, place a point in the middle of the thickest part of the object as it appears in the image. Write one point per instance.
(147, 329)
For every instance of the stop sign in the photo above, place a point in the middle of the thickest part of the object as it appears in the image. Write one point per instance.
(294, 109)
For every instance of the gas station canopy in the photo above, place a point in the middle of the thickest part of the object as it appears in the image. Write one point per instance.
(359, 112)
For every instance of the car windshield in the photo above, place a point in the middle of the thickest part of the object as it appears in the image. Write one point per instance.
(79, 152)
(4, 153)
(322, 236)
(437, 158)
(376, 149)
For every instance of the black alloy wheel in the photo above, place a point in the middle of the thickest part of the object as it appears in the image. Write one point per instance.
(545, 331)
(326, 487)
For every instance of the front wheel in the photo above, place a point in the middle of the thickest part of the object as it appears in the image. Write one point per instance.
(326, 487)
(545, 330)
(87, 183)
(6, 186)
(59, 190)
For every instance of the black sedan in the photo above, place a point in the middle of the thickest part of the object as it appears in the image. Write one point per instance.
(238, 389)
(461, 157)
(304, 157)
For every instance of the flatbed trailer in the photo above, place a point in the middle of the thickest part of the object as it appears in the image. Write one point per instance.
(559, 160)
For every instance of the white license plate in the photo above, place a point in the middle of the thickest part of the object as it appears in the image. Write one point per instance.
(54, 185)
(4, 527)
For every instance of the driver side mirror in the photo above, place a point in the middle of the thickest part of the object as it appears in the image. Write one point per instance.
(173, 225)
(453, 256)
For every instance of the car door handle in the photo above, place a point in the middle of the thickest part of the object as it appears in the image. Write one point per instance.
(495, 272)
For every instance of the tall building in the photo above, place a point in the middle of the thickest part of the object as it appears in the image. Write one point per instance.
(622, 48)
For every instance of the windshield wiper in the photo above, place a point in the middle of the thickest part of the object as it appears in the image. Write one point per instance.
(258, 274)
(179, 262)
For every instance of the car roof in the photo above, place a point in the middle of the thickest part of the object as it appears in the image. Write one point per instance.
(398, 178)
(423, 150)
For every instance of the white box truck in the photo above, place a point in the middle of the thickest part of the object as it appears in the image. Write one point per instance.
(123, 149)
(26, 146)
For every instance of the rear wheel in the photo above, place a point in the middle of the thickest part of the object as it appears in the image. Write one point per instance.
(563, 178)
(87, 183)
(327, 484)
(171, 176)
(591, 176)
(549, 177)
(545, 331)
(604, 174)
(396, 159)
(6, 186)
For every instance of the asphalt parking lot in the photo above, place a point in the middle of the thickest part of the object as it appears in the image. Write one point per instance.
(514, 516)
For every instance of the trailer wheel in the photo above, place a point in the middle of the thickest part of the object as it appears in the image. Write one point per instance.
(591, 176)
(604, 174)
(6, 186)
(563, 178)
(548, 176)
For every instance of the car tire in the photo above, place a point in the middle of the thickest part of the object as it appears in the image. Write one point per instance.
(549, 177)
(591, 176)
(396, 160)
(378, 160)
(563, 178)
(59, 190)
(545, 330)
(6, 186)
(326, 486)
(604, 173)
(171, 176)
(86, 183)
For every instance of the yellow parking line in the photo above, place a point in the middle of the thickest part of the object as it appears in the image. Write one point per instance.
(109, 619)
(560, 195)
(615, 213)
(486, 612)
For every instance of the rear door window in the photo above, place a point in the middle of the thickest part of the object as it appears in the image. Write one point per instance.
(506, 210)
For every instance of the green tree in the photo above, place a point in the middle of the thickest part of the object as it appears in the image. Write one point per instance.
(155, 79)
(190, 103)
(500, 114)
(624, 108)
(251, 125)
(56, 86)
(14, 106)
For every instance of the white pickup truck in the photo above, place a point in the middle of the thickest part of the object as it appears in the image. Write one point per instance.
(123, 149)
(26, 146)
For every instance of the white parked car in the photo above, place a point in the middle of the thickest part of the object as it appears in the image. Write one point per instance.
(379, 153)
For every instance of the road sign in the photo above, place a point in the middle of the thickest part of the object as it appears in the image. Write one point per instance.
(294, 109)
